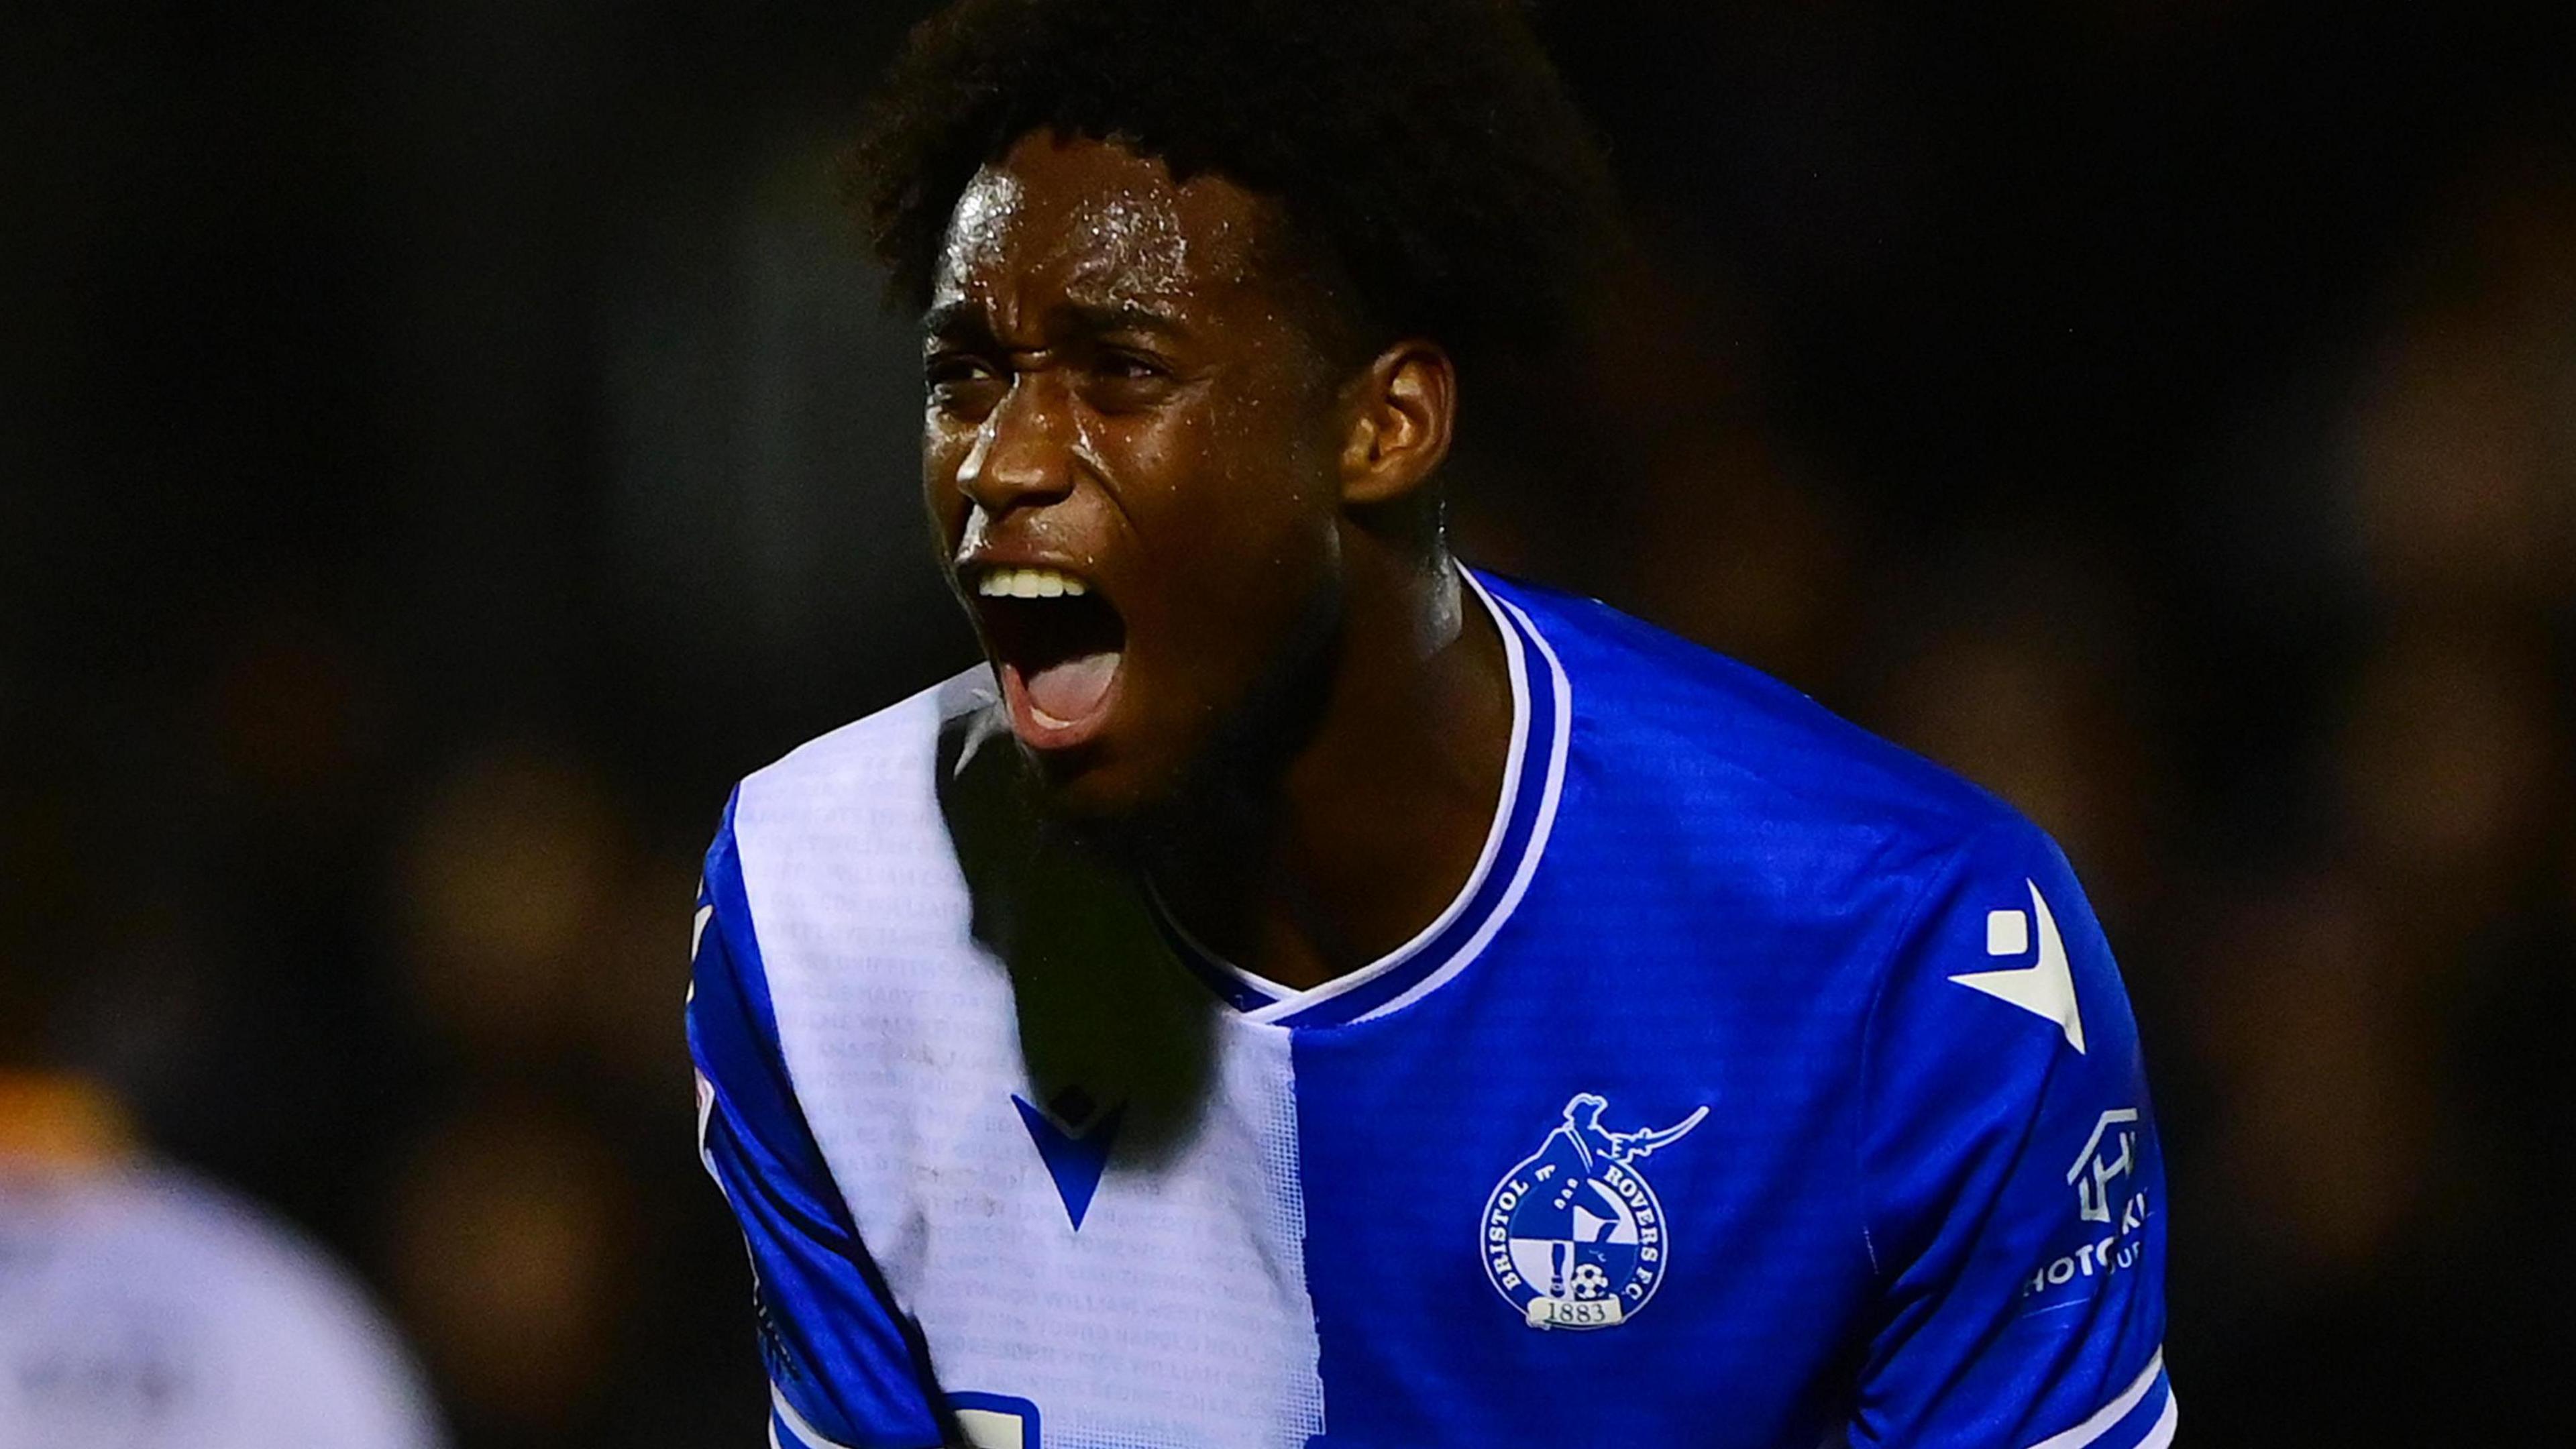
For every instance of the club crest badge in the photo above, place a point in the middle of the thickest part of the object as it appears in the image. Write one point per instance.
(1574, 1237)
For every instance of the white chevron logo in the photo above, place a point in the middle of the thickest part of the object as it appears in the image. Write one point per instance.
(2045, 988)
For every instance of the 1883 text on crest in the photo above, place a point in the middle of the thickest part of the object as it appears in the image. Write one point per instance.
(1574, 1236)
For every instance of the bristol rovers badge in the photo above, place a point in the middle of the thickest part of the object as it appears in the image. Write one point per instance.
(1574, 1237)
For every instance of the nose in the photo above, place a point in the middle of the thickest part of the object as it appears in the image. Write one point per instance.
(1023, 452)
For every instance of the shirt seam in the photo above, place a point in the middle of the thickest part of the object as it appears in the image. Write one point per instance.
(1916, 910)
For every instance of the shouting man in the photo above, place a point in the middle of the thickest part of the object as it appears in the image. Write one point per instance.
(1300, 990)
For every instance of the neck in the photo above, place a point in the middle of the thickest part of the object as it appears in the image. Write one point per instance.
(1376, 819)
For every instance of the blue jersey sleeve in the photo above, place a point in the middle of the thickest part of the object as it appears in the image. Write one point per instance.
(847, 1370)
(2016, 1191)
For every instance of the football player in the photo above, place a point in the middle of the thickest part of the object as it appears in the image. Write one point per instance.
(1241, 1009)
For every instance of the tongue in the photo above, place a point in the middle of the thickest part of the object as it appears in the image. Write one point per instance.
(1072, 689)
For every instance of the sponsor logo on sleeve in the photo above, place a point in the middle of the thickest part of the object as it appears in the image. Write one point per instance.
(2110, 1207)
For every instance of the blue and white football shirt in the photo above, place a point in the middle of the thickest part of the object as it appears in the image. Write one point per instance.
(1764, 1086)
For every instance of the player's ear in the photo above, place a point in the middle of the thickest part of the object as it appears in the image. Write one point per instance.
(1401, 408)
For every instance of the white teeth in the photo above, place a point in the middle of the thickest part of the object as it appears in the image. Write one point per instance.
(1029, 584)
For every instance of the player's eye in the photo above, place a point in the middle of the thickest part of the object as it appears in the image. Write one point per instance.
(960, 382)
(946, 367)
(1121, 379)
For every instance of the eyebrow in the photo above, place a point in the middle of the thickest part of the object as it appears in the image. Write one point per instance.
(964, 319)
(1096, 318)
(960, 318)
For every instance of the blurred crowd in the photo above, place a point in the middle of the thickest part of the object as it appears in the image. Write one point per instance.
(447, 445)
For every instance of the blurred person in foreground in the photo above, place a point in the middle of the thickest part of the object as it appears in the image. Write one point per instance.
(1305, 991)
(142, 1308)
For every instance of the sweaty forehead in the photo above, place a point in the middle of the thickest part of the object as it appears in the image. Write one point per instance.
(1094, 223)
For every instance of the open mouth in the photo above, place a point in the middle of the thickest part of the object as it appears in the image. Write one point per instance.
(1057, 645)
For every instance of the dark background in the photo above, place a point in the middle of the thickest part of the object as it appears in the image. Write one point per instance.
(445, 444)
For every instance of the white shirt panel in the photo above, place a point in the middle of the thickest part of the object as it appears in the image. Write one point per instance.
(902, 1032)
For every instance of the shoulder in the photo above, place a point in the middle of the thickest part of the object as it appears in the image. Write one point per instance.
(1744, 770)
(143, 1222)
(240, 1295)
(862, 796)
(847, 850)
(878, 761)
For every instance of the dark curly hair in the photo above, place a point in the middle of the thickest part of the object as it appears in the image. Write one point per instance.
(1425, 152)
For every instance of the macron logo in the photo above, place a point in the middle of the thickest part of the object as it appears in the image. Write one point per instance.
(2045, 988)
(1076, 1153)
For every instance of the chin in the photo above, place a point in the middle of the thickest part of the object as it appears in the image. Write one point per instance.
(1082, 789)
(1119, 805)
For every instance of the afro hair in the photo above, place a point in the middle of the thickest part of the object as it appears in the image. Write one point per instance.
(1425, 151)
